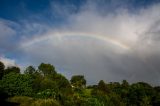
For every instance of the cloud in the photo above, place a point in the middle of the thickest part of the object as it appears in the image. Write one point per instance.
(7, 33)
(99, 44)
(5, 29)
(8, 62)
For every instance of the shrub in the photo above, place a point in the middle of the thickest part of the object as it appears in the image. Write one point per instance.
(48, 93)
(45, 102)
(22, 100)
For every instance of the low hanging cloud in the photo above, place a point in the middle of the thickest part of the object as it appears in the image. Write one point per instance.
(101, 45)
(8, 62)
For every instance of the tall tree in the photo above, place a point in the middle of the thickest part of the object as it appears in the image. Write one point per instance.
(12, 69)
(30, 70)
(46, 69)
(125, 83)
(1, 70)
(102, 86)
(62, 83)
(78, 81)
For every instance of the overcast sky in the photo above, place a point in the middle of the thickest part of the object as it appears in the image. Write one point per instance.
(110, 40)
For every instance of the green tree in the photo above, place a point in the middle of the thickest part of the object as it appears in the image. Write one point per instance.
(17, 84)
(139, 93)
(30, 70)
(78, 81)
(103, 87)
(13, 69)
(46, 69)
(63, 84)
(1, 70)
(37, 80)
(125, 83)
(47, 83)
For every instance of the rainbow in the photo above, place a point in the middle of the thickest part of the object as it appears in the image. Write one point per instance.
(60, 35)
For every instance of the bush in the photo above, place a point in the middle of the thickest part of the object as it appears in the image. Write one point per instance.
(22, 100)
(48, 93)
(28, 101)
(17, 84)
(45, 102)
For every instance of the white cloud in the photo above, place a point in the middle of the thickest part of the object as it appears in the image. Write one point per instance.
(7, 35)
(8, 62)
(5, 29)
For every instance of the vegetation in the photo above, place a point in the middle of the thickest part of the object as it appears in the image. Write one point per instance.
(45, 87)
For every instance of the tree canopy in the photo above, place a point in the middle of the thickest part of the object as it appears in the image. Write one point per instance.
(45, 86)
(78, 81)
(46, 69)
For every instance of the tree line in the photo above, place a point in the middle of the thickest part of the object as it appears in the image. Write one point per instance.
(44, 86)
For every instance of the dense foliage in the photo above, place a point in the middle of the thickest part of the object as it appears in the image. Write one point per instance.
(45, 87)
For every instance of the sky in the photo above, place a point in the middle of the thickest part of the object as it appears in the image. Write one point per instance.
(110, 40)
